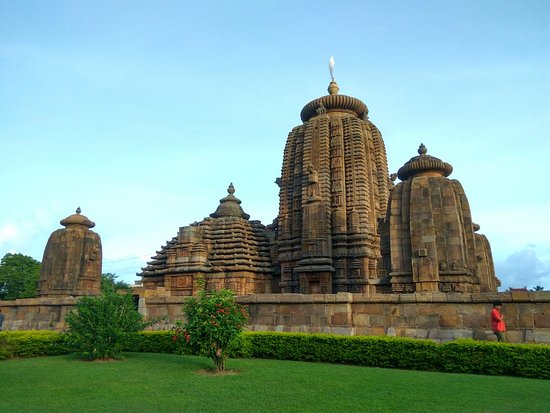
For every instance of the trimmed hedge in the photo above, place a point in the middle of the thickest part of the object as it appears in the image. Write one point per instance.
(387, 352)
(460, 356)
(31, 344)
(155, 342)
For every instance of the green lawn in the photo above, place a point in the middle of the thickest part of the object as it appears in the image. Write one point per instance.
(169, 383)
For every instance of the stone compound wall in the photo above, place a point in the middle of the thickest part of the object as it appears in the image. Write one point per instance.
(437, 316)
(37, 313)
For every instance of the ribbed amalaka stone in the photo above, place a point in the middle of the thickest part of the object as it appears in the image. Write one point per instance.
(334, 188)
(226, 250)
(72, 259)
(428, 237)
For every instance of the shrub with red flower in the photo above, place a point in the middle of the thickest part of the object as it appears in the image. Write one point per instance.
(214, 320)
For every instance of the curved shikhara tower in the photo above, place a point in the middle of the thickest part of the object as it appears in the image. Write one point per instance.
(429, 241)
(334, 189)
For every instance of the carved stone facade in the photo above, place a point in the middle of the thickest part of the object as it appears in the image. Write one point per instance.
(72, 260)
(226, 250)
(333, 190)
(342, 226)
(429, 242)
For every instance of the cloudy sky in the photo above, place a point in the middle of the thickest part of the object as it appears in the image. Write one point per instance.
(142, 112)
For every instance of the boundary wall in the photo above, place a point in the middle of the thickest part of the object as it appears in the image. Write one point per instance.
(437, 316)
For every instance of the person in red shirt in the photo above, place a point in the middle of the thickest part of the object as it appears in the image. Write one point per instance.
(497, 321)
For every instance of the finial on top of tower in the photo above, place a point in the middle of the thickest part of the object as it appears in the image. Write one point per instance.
(422, 150)
(333, 86)
(331, 67)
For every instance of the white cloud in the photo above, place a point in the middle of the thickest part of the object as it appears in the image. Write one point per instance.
(8, 232)
(527, 267)
(27, 234)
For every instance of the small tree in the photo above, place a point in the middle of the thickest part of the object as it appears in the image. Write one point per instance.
(102, 326)
(19, 275)
(214, 320)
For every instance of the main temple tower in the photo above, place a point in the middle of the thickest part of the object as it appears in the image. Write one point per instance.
(334, 189)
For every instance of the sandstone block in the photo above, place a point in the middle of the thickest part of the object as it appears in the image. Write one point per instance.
(398, 321)
(343, 331)
(427, 321)
(300, 320)
(475, 320)
(454, 321)
(542, 336)
(377, 321)
(361, 320)
(340, 319)
(541, 320)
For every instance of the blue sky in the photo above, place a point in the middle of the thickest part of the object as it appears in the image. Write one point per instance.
(143, 112)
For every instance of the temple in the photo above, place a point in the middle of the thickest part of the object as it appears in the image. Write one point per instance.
(343, 225)
(71, 265)
(429, 241)
(225, 250)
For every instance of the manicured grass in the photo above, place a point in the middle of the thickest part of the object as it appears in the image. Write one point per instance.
(145, 382)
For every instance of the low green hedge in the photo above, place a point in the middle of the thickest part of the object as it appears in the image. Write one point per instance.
(389, 352)
(461, 356)
(31, 344)
(155, 342)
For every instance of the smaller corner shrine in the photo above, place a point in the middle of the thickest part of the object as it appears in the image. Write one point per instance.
(225, 250)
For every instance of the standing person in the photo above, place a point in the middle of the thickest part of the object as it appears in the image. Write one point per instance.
(1, 319)
(497, 321)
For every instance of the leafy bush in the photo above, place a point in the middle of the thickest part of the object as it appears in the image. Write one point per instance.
(102, 326)
(214, 320)
(31, 344)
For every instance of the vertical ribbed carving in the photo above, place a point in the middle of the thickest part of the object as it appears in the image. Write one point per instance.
(338, 182)
(335, 160)
(382, 191)
(358, 169)
(431, 239)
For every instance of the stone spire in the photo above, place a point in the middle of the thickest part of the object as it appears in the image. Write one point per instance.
(334, 187)
(230, 206)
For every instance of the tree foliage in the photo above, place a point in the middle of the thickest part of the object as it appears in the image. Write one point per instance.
(19, 276)
(102, 326)
(109, 283)
(214, 320)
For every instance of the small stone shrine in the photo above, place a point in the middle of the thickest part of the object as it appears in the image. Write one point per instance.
(343, 226)
(71, 265)
(225, 250)
(428, 237)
